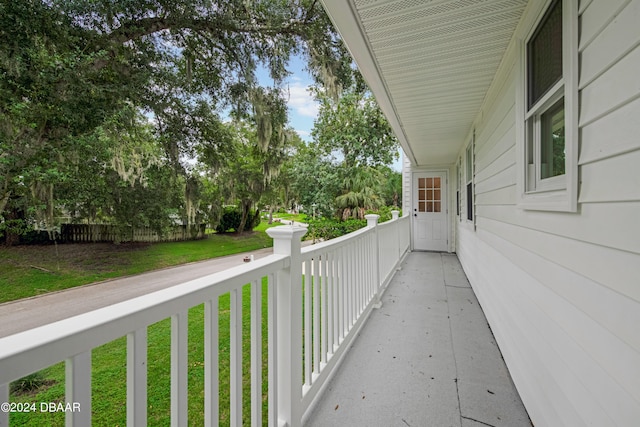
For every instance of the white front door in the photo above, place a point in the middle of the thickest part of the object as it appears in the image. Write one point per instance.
(430, 230)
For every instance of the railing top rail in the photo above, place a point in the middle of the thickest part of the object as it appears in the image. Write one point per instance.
(387, 224)
(29, 351)
(339, 241)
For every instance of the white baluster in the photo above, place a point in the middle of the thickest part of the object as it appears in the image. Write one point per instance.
(236, 357)
(4, 397)
(272, 350)
(308, 319)
(316, 314)
(179, 371)
(325, 307)
(256, 353)
(78, 389)
(211, 355)
(137, 378)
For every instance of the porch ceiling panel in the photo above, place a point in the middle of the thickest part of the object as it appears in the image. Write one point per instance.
(429, 63)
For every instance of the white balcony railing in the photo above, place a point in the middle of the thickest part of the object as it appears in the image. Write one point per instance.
(317, 299)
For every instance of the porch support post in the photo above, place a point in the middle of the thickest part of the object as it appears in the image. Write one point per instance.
(372, 222)
(288, 363)
(394, 217)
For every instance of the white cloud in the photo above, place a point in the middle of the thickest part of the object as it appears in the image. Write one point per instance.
(301, 101)
(304, 134)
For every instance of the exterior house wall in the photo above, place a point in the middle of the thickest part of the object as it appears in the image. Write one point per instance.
(561, 291)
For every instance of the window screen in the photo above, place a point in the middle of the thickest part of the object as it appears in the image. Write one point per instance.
(544, 54)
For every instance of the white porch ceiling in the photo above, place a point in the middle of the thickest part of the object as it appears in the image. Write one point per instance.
(429, 63)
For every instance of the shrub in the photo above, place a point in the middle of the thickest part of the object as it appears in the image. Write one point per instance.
(385, 213)
(231, 218)
(28, 236)
(27, 384)
(329, 228)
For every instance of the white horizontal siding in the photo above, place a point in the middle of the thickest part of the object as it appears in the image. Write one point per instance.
(576, 370)
(612, 179)
(562, 290)
(614, 134)
(501, 174)
(616, 87)
(605, 17)
(493, 149)
(601, 224)
(556, 273)
(502, 196)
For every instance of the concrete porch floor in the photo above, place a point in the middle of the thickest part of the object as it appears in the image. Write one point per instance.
(426, 358)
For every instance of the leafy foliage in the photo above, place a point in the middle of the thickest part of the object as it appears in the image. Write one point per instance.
(28, 384)
(353, 134)
(330, 228)
(232, 220)
(73, 71)
(354, 130)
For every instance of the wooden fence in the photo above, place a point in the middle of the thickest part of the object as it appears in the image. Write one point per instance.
(112, 233)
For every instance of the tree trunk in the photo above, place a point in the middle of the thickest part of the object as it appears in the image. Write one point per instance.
(245, 214)
(15, 219)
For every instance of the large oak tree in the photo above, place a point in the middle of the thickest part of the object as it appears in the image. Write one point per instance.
(69, 66)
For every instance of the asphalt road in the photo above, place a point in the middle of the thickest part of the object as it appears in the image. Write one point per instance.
(28, 313)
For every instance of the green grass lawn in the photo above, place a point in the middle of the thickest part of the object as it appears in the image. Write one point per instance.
(109, 374)
(291, 217)
(26, 271)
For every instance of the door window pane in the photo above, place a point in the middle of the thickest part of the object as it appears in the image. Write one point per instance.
(429, 194)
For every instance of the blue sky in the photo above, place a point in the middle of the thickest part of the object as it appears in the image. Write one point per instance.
(303, 109)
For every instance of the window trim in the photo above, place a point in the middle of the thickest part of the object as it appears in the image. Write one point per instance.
(469, 159)
(458, 184)
(558, 193)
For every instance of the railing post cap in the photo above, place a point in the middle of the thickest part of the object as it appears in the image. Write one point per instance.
(286, 233)
(372, 219)
(395, 214)
(286, 240)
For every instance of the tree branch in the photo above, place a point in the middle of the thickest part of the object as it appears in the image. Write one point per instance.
(136, 29)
